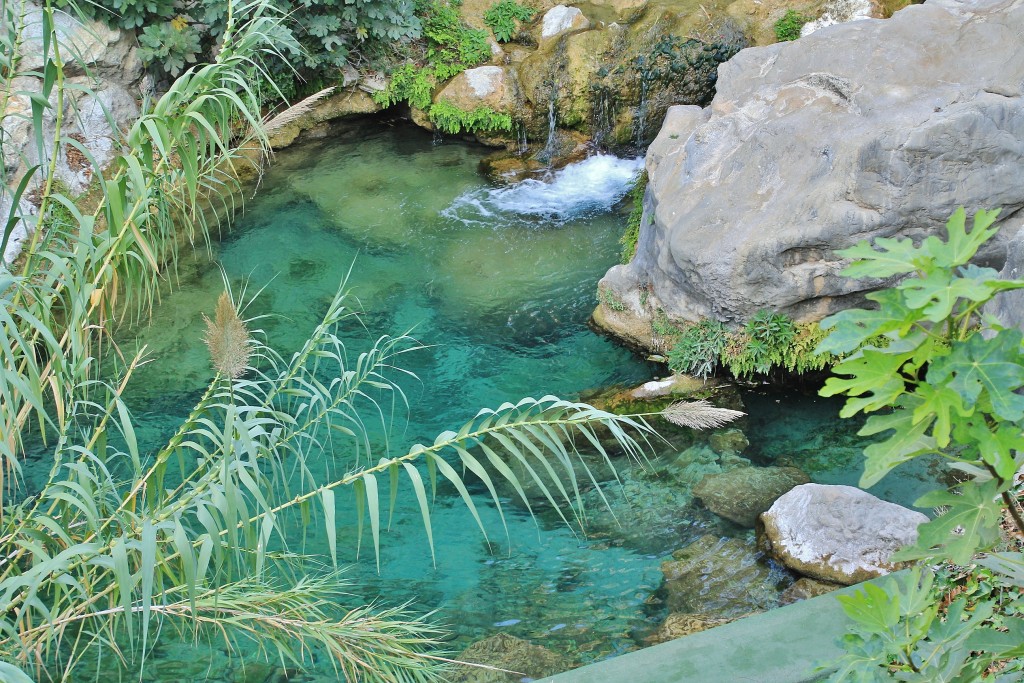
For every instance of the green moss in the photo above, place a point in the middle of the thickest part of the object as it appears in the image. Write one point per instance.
(632, 234)
(788, 27)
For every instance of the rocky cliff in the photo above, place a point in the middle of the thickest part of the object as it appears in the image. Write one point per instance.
(861, 130)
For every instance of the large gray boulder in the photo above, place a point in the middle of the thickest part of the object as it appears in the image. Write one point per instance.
(839, 534)
(861, 130)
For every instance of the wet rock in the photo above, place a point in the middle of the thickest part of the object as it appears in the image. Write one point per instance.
(728, 441)
(805, 588)
(511, 654)
(837, 533)
(719, 575)
(504, 168)
(681, 624)
(741, 494)
(808, 148)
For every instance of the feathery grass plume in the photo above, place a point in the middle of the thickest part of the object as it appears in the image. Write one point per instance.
(699, 414)
(228, 339)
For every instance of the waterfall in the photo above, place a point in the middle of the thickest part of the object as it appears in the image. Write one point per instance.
(584, 188)
(640, 114)
(523, 145)
(603, 117)
(549, 147)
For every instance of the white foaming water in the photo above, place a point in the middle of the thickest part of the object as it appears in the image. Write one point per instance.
(590, 186)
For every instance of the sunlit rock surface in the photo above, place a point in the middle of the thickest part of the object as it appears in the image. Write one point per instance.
(862, 130)
(837, 533)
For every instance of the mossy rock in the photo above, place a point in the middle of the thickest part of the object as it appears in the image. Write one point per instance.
(511, 654)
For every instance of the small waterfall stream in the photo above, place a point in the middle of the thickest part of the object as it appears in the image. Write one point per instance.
(584, 188)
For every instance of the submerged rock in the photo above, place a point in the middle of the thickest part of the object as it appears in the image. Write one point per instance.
(679, 624)
(806, 588)
(862, 130)
(741, 494)
(837, 533)
(511, 654)
(728, 441)
(724, 576)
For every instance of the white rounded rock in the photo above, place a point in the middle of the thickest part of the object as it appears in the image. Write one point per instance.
(837, 533)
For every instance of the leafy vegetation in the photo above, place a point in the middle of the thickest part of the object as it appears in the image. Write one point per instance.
(452, 47)
(632, 233)
(788, 27)
(318, 35)
(503, 17)
(450, 119)
(766, 342)
(947, 383)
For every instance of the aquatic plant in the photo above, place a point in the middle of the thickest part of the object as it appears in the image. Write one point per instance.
(503, 16)
(948, 383)
(788, 27)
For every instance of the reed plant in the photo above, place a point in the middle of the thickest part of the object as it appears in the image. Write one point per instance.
(118, 546)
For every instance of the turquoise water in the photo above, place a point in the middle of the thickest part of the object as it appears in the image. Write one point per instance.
(498, 284)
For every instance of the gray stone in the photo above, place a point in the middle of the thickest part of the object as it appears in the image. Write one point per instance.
(862, 130)
(91, 47)
(741, 494)
(837, 533)
(22, 229)
(1008, 307)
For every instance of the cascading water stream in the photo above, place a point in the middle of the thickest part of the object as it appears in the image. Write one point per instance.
(640, 115)
(584, 188)
(549, 147)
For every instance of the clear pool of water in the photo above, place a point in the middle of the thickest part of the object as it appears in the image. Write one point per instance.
(498, 284)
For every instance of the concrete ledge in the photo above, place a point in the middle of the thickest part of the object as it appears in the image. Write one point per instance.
(784, 645)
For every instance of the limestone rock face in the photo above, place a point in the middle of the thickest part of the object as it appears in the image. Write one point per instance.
(740, 495)
(837, 533)
(484, 86)
(509, 653)
(861, 130)
(107, 53)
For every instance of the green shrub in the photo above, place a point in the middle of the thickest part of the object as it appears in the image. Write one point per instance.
(632, 234)
(788, 27)
(502, 18)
